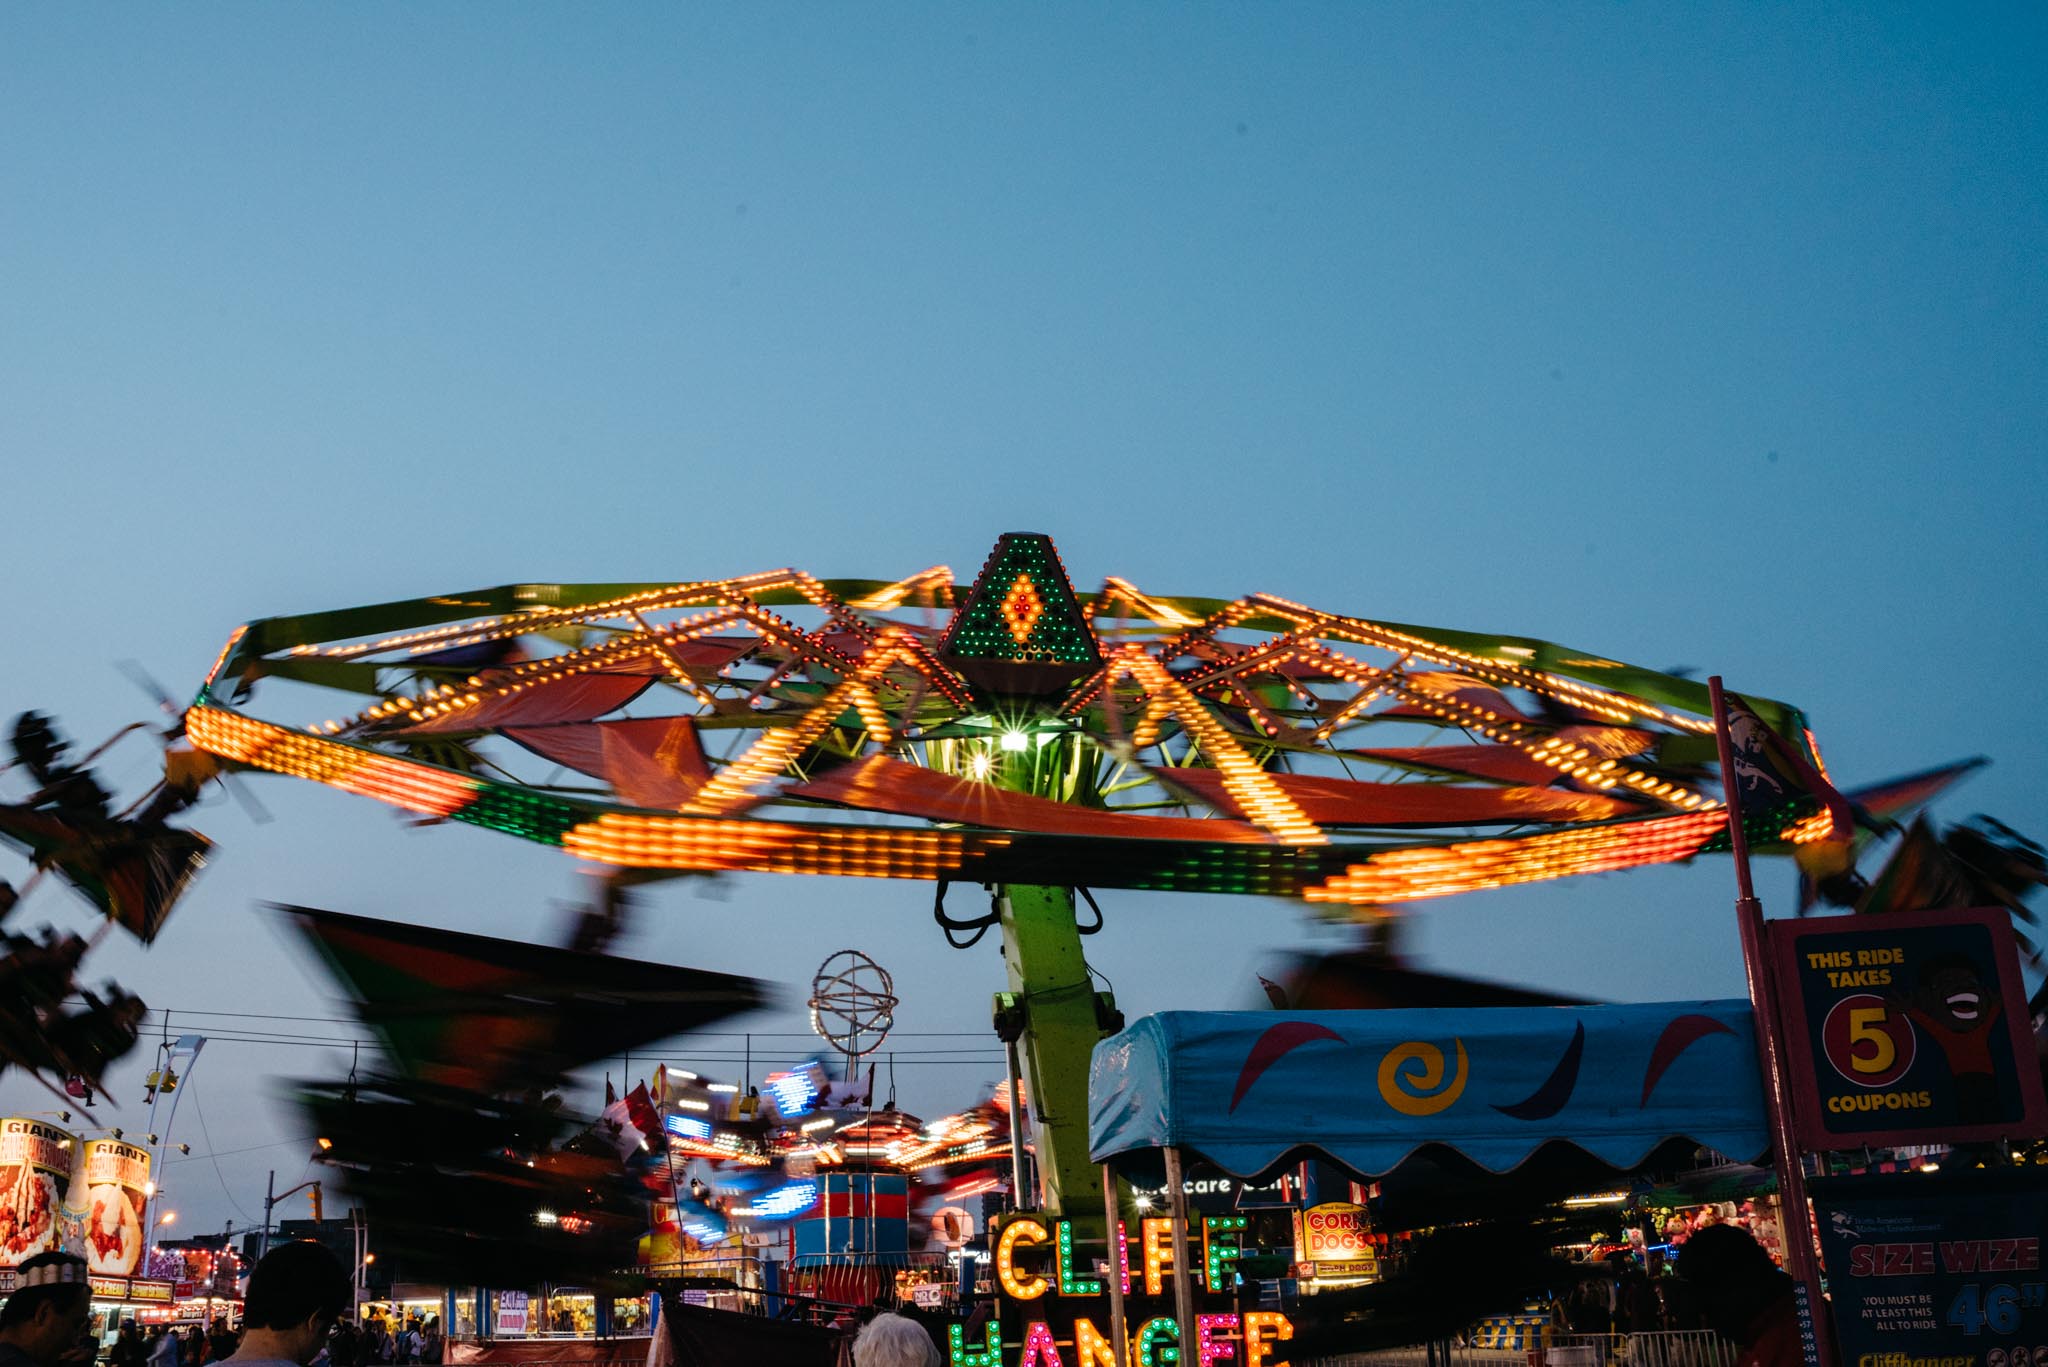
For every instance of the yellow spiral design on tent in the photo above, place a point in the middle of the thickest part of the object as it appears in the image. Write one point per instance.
(1420, 1065)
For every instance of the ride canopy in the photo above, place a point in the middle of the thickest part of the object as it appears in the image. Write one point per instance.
(1252, 1091)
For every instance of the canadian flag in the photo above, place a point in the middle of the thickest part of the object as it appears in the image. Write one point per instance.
(629, 1120)
(851, 1094)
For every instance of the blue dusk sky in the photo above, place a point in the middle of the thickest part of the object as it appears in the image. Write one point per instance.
(1703, 335)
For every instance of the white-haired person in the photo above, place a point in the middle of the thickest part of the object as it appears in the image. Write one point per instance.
(893, 1341)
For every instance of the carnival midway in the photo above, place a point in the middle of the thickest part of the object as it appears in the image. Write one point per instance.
(1385, 1165)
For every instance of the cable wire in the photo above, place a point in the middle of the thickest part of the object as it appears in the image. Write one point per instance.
(206, 1134)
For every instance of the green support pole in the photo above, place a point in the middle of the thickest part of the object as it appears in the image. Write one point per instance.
(1048, 976)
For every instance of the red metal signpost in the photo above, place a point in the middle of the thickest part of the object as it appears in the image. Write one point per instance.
(1785, 1154)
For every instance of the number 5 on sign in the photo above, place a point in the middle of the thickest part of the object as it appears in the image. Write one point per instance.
(1866, 1026)
(1866, 1042)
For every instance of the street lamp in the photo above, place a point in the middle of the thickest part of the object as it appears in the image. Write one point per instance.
(163, 1218)
(359, 1229)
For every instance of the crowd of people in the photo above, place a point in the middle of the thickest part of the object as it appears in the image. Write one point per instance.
(374, 1344)
(295, 1315)
(1725, 1282)
(377, 1342)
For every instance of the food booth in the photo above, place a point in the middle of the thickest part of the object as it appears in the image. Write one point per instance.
(1516, 1091)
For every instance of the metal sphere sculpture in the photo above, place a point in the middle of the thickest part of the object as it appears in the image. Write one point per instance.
(853, 1004)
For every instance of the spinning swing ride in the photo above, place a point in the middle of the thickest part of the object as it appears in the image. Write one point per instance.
(1017, 735)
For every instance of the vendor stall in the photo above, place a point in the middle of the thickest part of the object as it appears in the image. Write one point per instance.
(1251, 1093)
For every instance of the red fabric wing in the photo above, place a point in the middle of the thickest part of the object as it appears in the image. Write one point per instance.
(579, 697)
(1509, 765)
(649, 761)
(1502, 762)
(1448, 684)
(1342, 802)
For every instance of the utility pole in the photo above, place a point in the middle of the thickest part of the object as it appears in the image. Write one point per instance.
(359, 1230)
(271, 1196)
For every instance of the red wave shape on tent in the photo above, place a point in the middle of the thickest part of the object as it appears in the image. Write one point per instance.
(1270, 1047)
(1679, 1036)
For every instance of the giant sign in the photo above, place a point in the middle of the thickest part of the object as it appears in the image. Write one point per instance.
(35, 1173)
(115, 1178)
(1906, 1029)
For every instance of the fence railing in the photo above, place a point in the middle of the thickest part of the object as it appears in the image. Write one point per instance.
(1662, 1348)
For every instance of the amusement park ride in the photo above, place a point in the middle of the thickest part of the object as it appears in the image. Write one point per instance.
(1018, 736)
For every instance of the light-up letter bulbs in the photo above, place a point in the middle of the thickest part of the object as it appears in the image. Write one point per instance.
(1091, 1349)
(1158, 1343)
(990, 1354)
(1213, 1335)
(1263, 1329)
(1028, 1288)
(1071, 1282)
(1040, 1350)
(1157, 1240)
(1220, 1249)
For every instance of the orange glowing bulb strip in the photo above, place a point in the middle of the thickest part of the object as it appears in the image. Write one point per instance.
(1249, 786)
(788, 633)
(1115, 590)
(1468, 866)
(1370, 688)
(695, 594)
(234, 639)
(937, 578)
(587, 659)
(676, 668)
(1618, 707)
(769, 756)
(919, 657)
(1165, 653)
(1556, 752)
(679, 842)
(1810, 830)
(1270, 656)
(818, 596)
(401, 783)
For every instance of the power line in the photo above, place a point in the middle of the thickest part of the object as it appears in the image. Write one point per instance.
(959, 1055)
(246, 1015)
(228, 1153)
(200, 1111)
(157, 1013)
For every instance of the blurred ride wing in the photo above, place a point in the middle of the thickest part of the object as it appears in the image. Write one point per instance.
(473, 1011)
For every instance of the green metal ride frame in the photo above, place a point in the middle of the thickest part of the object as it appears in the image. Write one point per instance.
(1064, 1018)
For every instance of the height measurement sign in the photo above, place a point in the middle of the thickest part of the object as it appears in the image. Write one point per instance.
(1906, 1029)
(1929, 1269)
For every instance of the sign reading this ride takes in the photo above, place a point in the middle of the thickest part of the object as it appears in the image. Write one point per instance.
(1906, 1029)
